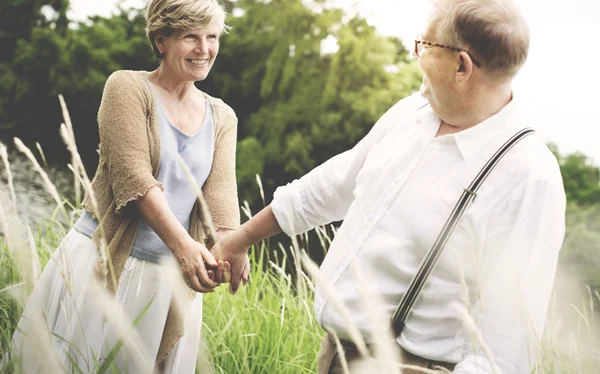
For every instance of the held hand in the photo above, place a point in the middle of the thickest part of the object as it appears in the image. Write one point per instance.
(234, 265)
(191, 257)
(233, 269)
(233, 248)
(222, 273)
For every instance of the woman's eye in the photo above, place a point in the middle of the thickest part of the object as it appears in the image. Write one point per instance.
(212, 36)
(190, 36)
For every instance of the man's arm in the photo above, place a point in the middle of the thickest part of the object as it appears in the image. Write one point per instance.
(325, 194)
(321, 196)
(517, 273)
(317, 198)
(232, 249)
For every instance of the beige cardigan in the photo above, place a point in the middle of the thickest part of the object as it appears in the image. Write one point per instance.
(129, 161)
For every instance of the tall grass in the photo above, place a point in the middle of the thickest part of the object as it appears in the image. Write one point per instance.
(267, 328)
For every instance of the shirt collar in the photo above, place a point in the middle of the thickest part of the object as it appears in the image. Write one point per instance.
(471, 140)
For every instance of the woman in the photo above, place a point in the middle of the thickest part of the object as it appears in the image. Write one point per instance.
(143, 212)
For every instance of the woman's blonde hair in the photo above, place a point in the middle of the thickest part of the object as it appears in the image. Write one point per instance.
(493, 31)
(165, 16)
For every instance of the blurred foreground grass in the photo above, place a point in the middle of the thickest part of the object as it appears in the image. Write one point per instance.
(265, 328)
(268, 327)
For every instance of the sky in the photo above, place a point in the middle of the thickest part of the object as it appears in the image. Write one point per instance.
(559, 82)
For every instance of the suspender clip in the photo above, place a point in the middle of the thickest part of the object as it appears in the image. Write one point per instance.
(474, 194)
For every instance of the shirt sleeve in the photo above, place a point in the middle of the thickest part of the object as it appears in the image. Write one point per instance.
(325, 194)
(517, 274)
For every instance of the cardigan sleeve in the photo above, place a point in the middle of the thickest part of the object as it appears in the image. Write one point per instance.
(220, 188)
(124, 139)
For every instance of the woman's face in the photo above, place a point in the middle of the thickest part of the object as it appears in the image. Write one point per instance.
(190, 53)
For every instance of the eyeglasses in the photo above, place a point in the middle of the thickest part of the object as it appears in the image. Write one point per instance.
(420, 43)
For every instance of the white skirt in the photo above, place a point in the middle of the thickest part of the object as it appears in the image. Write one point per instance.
(65, 320)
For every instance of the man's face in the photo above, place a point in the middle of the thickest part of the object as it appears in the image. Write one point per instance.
(438, 66)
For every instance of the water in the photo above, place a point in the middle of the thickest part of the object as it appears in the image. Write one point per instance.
(34, 202)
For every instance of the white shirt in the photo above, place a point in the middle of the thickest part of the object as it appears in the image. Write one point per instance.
(394, 190)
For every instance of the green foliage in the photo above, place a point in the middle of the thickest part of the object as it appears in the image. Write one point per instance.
(579, 260)
(19, 17)
(579, 254)
(75, 62)
(580, 176)
(303, 104)
(298, 105)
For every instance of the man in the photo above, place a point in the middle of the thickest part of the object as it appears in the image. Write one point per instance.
(484, 305)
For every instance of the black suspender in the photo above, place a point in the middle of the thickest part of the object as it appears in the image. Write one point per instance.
(404, 308)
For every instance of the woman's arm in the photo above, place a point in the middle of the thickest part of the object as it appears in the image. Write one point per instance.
(190, 254)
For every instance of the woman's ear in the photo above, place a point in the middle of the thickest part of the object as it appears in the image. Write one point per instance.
(159, 40)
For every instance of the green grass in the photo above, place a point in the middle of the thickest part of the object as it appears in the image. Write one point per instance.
(264, 328)
(268, 326)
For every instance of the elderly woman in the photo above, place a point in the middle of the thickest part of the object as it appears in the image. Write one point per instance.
(142, 216)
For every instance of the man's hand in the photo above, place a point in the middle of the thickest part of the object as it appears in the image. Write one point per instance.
(226, 273)
(191, 256)
(232, 247)
(233, 264)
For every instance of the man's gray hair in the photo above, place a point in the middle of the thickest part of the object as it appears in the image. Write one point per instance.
(493, 31)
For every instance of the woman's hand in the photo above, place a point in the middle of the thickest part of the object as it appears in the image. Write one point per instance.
(192, 256)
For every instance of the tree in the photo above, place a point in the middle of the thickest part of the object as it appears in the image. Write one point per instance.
(298, 104)
(580, 176)
(19, 17)
(75, 64)
(579, 261)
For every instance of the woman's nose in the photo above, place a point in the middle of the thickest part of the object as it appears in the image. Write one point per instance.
(202, 47)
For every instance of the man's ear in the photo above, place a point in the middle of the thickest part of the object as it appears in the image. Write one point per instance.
(465, 67)
(461, 65)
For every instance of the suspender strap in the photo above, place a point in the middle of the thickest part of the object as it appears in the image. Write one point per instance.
(404, 308)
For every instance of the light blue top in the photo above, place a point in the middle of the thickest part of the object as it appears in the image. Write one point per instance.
(197, 151)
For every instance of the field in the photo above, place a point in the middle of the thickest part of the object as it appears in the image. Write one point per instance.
(268, 327)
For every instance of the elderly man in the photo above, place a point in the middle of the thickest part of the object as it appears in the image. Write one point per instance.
(483, 307)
